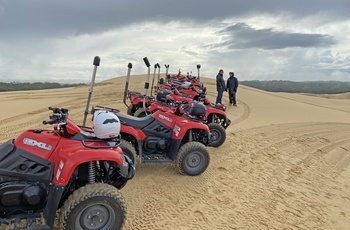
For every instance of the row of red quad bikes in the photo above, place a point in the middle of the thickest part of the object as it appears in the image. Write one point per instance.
(75, 172)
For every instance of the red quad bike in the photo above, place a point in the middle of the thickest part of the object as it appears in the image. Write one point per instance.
(216, 118)
(137, 99)
(186, 89)
(139, 102)
(66, 169)
(165, 137)
(179, 79)
(189, 85)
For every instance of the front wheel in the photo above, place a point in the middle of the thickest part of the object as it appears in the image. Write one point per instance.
(217, 134)
(94, 206)
(192, 159)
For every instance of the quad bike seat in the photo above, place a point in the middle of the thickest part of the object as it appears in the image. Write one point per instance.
(84, 135)
(136, 122)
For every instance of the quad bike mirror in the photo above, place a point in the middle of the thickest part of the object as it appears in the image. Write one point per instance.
(198, 67)
(166, 69)
(155, 69)
(95, 63)
(127, 84)
(145, 59)
(158, 74)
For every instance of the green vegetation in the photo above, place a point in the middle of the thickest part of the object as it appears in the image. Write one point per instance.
(15, 86)
(316, 87)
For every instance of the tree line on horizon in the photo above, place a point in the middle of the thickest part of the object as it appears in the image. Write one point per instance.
(17, 86)
(315, 87)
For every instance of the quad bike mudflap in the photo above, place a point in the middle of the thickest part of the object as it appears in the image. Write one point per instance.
(65, 169)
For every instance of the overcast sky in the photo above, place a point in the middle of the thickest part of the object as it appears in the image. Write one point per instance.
(56, 41)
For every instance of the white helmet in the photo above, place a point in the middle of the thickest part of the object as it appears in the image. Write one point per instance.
(186, 84)
(106, 124)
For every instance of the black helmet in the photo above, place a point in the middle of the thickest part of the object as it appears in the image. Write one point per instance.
(198, 109)
(161, 81)
(162, 93)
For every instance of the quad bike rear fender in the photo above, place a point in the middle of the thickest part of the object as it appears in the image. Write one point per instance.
(128, 130)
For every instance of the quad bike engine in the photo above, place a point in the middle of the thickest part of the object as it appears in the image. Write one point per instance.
(155, 144)
(18, 197)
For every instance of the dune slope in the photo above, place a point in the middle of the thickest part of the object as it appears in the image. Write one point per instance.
(284, 165)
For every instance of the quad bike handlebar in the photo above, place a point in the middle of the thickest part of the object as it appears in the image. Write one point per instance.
(59, 116)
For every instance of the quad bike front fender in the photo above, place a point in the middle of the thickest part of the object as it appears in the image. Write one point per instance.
(181, 128)
(212, 111)
(225, 123)
(66, 162)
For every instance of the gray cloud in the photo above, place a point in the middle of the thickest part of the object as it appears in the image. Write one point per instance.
(66, 18)
(57, 40)
(243, 36)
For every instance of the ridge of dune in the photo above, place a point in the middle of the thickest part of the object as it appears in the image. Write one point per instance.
(285, 163)
(332, 96)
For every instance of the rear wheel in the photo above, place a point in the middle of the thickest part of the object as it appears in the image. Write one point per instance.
(217, 133)
(192, 159)
(94, 206)
(129, 150)
(140, 113)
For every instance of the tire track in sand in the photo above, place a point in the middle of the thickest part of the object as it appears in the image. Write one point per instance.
(308, 138)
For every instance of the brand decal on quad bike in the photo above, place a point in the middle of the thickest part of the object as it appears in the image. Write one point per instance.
(32, 142)
(110, 121)
(165, 118)
(59, 170)
(176, 130)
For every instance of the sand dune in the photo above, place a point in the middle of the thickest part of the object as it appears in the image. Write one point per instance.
(284, 165)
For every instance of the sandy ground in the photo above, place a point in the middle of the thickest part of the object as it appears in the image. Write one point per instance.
(284, 165)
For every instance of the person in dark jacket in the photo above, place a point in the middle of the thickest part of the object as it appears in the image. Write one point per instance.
(220, 86)
(231, 87)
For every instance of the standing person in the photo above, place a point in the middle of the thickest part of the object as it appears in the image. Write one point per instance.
(231, 86)
(220, 86)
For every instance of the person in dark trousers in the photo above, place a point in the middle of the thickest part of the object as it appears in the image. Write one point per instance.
(231, 87)
(220, 86)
